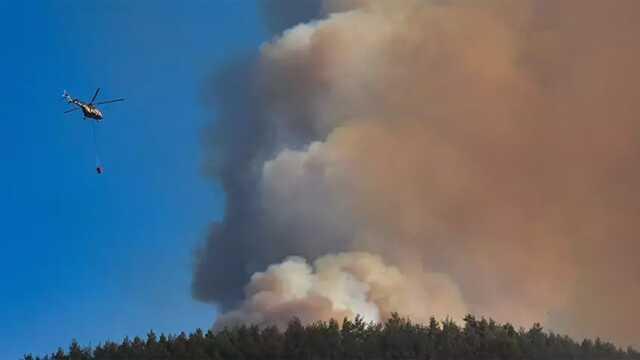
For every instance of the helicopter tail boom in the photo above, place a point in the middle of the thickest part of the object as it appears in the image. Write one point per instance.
(66, 96)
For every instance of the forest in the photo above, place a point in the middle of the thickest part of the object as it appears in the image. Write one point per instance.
(396, 338)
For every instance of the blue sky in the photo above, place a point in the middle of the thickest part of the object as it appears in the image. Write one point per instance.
(100, 257)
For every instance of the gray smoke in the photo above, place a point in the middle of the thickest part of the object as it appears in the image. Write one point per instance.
(489, 145)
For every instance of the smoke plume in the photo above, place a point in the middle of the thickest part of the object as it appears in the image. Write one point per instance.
(342, 285)
(435, 157)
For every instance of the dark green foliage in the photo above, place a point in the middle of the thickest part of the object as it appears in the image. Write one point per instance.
(396, 338)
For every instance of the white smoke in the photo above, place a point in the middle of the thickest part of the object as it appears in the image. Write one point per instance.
(342, 285)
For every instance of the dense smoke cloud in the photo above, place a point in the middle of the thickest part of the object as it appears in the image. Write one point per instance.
(342, 285)
(493, 143)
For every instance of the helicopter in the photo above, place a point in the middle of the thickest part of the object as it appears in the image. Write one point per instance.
(91, 112)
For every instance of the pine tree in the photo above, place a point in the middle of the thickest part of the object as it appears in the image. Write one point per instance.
(396, 338)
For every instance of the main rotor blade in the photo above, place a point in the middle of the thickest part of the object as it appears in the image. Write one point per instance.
(94, 96)
(109, 101)
(71, 110)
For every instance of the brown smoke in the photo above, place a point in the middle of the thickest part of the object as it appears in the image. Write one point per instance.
(495, 142)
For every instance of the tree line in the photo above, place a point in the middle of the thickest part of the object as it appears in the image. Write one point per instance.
(396, 338)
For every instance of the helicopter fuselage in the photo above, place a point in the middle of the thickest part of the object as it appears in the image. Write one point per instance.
(88, 110)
